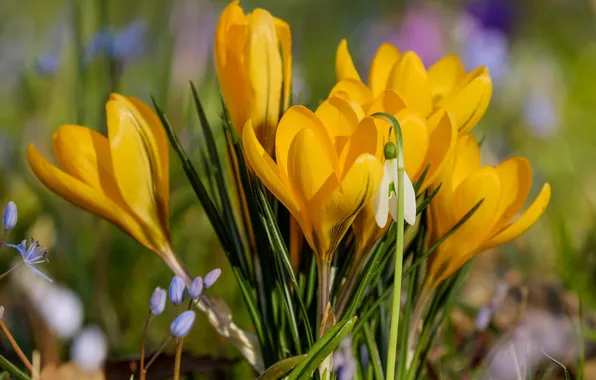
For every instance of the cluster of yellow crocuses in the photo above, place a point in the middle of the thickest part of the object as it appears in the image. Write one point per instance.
(323, 165)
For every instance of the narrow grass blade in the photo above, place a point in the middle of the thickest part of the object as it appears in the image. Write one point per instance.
(280, 368)
(13, 370)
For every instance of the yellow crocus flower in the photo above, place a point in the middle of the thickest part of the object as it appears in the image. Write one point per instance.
(327, 167)
(503, 189)
(253, 58)
(445, 85)
(122, 179)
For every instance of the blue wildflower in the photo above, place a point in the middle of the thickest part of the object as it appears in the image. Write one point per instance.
(157, 303)
(32, 256)
(183, 324)
(211, 277)
(10, 216)
(196, 288)
(177, 291)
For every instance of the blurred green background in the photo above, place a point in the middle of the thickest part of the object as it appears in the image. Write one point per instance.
(59, 60)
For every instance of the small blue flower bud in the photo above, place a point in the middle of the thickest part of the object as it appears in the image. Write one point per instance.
(196, 287)
(182, 324)
(157, 303)
(211, 277)
(1, 312)
(10, 216)
(177, 291)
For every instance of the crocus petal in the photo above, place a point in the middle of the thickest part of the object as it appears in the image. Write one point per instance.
(388, 101)
(524, 222)
(161, 141)
(444, 75)
(516, 180)
(340, 119)
(409, 79)
(266, 169)
(344, 67)
(442, 141)
(85, 155)
(467, 160)
(365, 139)
(136, 165)
(409, 201)
(385, 59)
(469, 100)
(295, 119)
(343, 204)
(352, 89)
(265, 72)
(84, 196)
(416, 138)
(284, 35)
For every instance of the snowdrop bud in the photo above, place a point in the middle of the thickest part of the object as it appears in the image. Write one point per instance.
(182, 324)
(211, 277)
(157, 303)
(177, 291)
(10, 216)
(196, 287)
(89, 349)
(390, 151)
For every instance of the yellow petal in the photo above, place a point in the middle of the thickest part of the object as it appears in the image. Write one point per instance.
(385, 59)
(352, 89)
(516, 180)
(137, 168)
(267, 170)
(265, 72)
(524, 222)
(388, 101)
(161, 140)
(340, 119)
(84, 196)
(467, 159)
(482, 184)
(367, 138)
(416, 139)
(344, 67)
(85, 155)
(284, 35)
(295, 119)
(442, 140)
(230, 37)
(469, 100)
(444, 75)
(410, 80)
(341, 207)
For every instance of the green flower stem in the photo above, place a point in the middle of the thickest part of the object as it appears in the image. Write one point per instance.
(399, 248)
(142, 373)
(324, 270)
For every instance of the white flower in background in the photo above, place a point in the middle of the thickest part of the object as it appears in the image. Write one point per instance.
(60, 307)
(89, 349)
(385, 199)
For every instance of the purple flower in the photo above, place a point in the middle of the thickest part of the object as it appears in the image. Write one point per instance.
(211, 277)
(183, 324)
(196, 288)
(32, 256)
(10, 216)
(157, 303)
(177, 291)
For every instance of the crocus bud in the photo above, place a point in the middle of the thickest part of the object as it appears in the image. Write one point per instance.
(196, 287)
(177, 291)
(182, 324)
(211, 277)
(10, 216)
(157, 303)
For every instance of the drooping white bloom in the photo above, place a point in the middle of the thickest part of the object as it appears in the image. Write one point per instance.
(385, 199)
